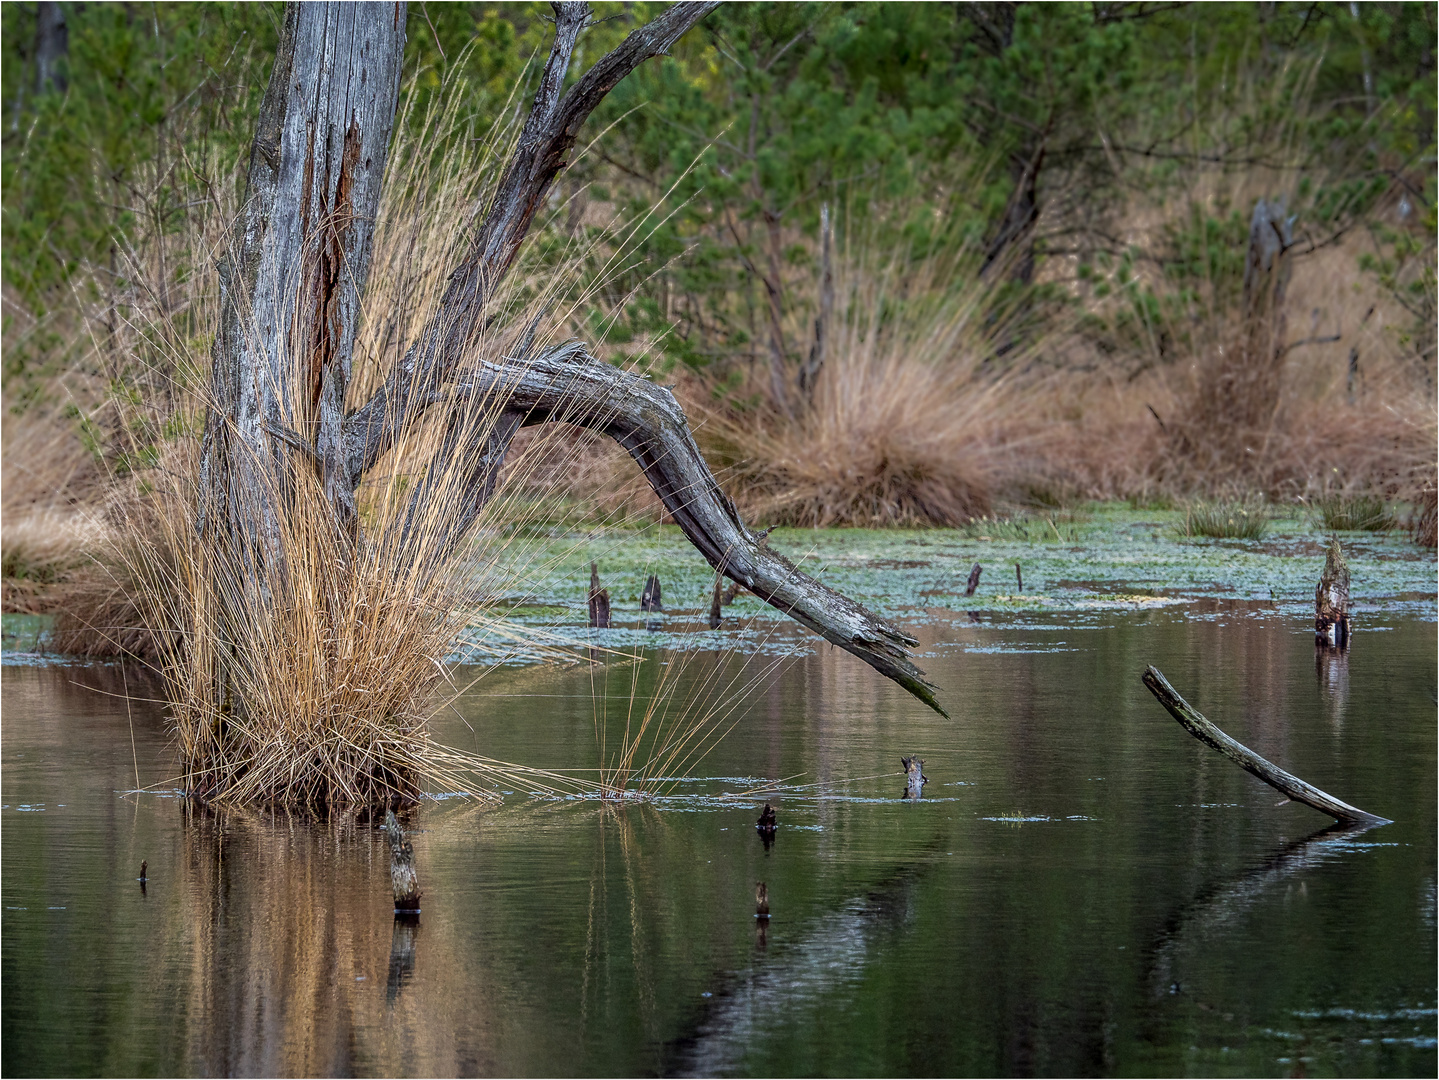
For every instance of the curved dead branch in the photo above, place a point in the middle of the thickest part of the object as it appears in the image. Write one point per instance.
(566, 384)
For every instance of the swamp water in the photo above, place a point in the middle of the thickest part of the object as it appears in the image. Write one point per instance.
(1083, 888)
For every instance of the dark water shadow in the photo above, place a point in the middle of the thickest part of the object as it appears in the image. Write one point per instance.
(1222, 904)
(831, 950)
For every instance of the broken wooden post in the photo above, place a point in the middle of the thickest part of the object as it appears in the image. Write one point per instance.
(1207, 732)
(650, 599)
(1331, 600)
(716, 601)
(402, 868)
(599, 601)
(914, 778)
(1018, 578)
(973, 582)
(761, 900)
(730, 592)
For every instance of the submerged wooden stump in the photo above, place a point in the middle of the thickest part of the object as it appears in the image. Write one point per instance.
(973, 582)
(716, 602)
(405, 881)
(599, 601)
(1331, 601)
(650, 599)
(914, 778)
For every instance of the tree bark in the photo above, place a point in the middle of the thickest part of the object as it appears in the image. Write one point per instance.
(1331, 600)
(292, 278)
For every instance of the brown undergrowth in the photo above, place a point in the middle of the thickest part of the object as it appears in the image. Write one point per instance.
(907, 423)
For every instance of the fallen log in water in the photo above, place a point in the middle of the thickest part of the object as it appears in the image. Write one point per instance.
(1194, 722)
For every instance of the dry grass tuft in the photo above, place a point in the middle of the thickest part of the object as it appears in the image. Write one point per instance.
(904, 426)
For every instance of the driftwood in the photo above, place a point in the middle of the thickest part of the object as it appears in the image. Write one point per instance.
(651, 599)
(599, 601)
(973, 582)
(403, 879)
(1207, 732)
(1331, 600)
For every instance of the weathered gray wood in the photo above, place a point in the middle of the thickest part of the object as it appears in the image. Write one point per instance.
(290, 286)
(567, 384)
(292, 276)
(403, 878)
(1194, 722)
(1267, 269)
(1331, 600)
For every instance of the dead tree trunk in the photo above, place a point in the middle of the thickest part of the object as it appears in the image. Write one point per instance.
(292, 278)
(599, 601)
(291, 283)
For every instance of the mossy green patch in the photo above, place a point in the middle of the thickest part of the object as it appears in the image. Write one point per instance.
(1119, 558)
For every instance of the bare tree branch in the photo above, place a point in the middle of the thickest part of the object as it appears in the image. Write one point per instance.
(549, 133)
(566, 384)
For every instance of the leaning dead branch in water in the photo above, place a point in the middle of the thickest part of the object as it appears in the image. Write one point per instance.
(1331, 600)
(1194, 722)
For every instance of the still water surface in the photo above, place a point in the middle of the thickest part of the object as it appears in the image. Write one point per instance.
(1083, 889)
